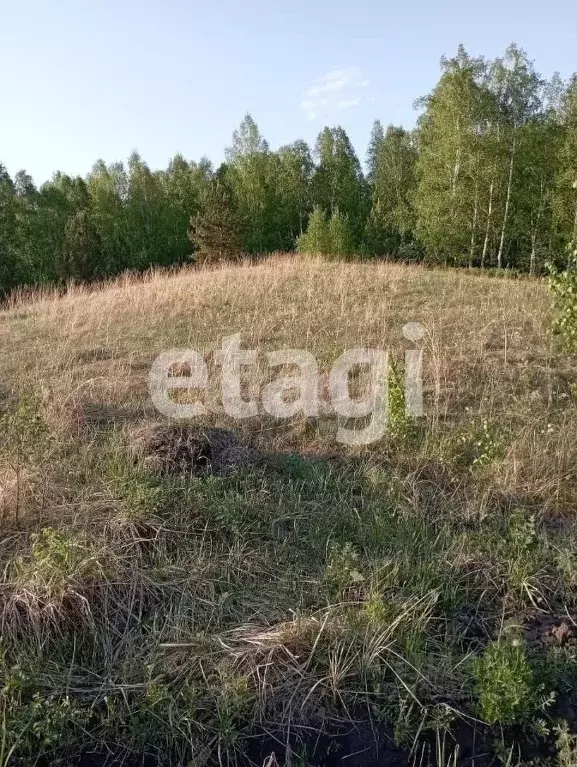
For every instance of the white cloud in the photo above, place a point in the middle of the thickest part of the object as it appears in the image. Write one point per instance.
(348, 103)
(337, 89)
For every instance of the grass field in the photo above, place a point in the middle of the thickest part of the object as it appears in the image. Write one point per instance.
(408, 602)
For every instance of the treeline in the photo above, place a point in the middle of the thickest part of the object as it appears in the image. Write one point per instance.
(488, 178)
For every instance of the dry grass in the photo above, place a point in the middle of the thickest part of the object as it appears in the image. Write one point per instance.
(488, 347)
(146, 611)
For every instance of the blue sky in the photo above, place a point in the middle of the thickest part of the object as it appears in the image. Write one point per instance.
(83, 79)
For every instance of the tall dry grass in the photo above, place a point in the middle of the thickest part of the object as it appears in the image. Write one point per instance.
(489, 352)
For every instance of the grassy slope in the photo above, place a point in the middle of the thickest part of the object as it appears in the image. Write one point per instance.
(324, 584)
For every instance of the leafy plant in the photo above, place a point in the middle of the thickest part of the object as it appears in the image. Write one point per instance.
(57, 561)
(400, 425)
(341, 568)
(478, 445)
(566, 744)
(332, 237)
(25, 438)
(564, 288)
(506, 688)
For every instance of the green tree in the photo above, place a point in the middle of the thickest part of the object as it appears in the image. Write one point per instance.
(10, 267)
(565, 192)
(449, 137)
(183, 185)
(341, 241)
(82, 250)
(216, 231)
(293, 191)
(108, 190)
(338, 181)
(533, 221)
(59, 200)
(316, 239)
(145, 216)
(518, 89)
(392, 181)
(252, 178)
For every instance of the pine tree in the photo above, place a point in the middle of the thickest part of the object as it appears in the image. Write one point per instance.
(216, 230)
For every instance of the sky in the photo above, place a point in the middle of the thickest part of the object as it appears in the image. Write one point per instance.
(88, 79)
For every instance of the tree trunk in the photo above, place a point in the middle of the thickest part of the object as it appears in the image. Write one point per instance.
(507, 204)
(474, 228)
(456, 169)
(533, 253)
(535, 230)
(573, 245)
(488, 228)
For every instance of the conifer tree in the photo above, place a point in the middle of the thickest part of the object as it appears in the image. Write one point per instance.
(216, 230)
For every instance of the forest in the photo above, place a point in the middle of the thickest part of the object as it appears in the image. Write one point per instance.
(488, 179)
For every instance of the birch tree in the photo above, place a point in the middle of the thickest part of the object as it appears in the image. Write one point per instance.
(518, 89)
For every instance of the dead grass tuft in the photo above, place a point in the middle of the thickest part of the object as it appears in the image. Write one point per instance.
(172, 449)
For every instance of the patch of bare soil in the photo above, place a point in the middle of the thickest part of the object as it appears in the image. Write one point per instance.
(545, 630)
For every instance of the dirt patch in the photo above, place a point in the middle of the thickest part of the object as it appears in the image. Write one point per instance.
(550, 631)
(359, 745)
(173, 449)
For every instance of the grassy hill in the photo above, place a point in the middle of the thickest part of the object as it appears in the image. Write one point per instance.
(412, 600)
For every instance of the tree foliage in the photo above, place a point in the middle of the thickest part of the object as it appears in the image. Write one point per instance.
(216, 231)
(327, 236)
(486, 179)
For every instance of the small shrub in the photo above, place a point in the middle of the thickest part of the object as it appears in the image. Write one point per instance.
(57, 565)
(566, 746)
(25, 438)
(478, 445)
(332, 237)
(564, 288)
(400, 425)
(34, 724)
(505, 684)
(340, 235)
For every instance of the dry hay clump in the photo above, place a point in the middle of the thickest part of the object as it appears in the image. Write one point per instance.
(178, 449)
